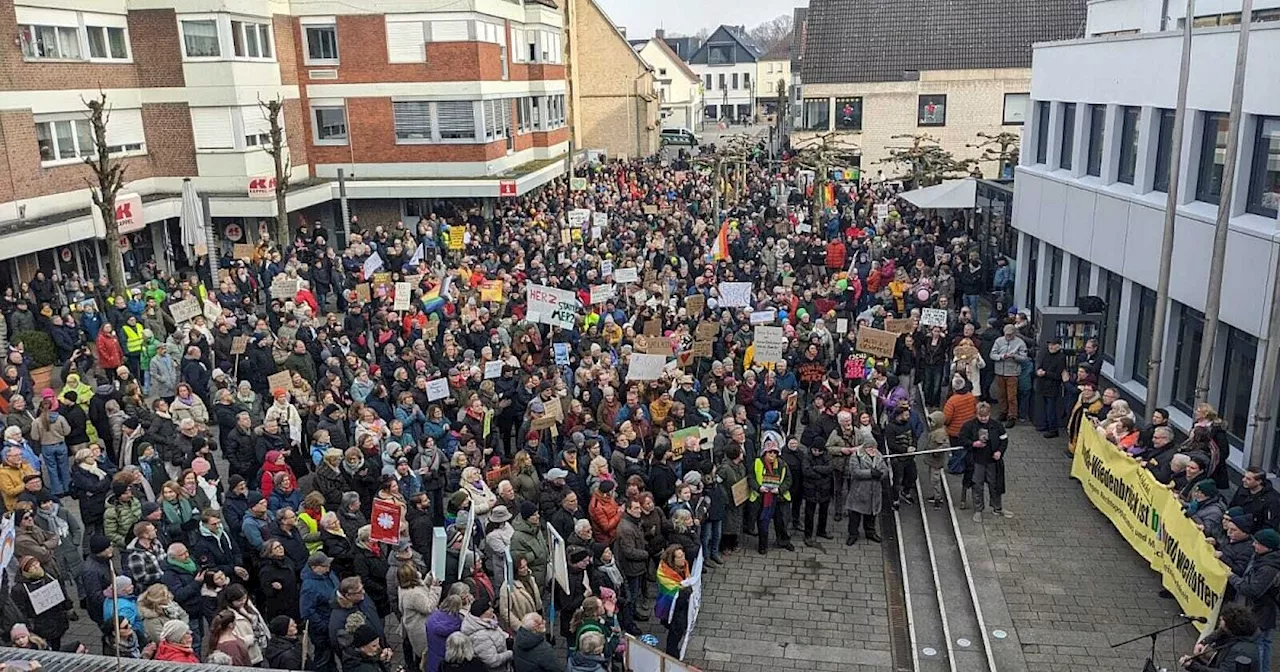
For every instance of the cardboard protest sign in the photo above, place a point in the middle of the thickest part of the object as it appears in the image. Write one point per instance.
(706, 330)
(491, 290)
(653, 328)
(876, 342)
(695, 304)
(577, 184)
(243, 250)
(457, 237)
(735, 294)
(185, 310)
(492, 369)
(652, 345)
(239, 344)
(933, 317)
(211, 310)
(362, 291)
(650, 209)
(646, 367)
(702, 349)
(899, 325)
(543, 422)
(382, 284)
(600, 219)
(606, 268)
(769, 342)
(282, 380)
(284, 287)
(403, 292)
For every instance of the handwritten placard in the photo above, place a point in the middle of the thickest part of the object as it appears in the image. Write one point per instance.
(842, 325)
(282, 380)
(492, 369)
(933, 317)
(437, 389)
(284, 287)
(876, 342)
(626, 275)
(706, 330)
(244, 251)
(239, 344)
(899, 325)
(763, 316)
(769, 342)
(702, 349)
(602, 293)
(646, 367)
(491, 290)
(735, 294)
(404, 292)
(695, 304)
(185, 310)
(650, 209)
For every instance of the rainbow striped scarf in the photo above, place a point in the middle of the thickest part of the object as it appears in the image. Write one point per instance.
(669, 580)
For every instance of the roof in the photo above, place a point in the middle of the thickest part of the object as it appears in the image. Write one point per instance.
(949, 195)
(746, 51)
(878, 40)
(780, 51)
(549, 3)
(684, 47)
(675, 58)
(799, 25)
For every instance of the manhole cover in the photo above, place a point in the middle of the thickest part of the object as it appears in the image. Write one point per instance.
(929, 651)
(999, 634)
(963, 642)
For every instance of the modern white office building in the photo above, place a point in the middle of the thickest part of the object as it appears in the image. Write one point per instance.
(1093, 181)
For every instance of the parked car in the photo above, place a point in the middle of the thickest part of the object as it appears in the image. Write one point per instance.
(679, 136)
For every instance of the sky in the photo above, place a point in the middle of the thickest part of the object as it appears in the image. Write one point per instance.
(641, 17)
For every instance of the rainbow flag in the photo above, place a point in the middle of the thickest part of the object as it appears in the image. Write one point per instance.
(432, 301)
(720, 252)
(668, 590)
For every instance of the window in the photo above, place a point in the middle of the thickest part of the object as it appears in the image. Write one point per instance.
(322, 43)
(50, 42)
(1142, 333)
(723, 79)
(1083, 269)
(662, 72)
(536, 104)
(456, 120)
(497, 118)
(1186, 363)
(720, 54)
(735, 81)
(707, 84)
(1129, 118)
(1114, 287)
(1055, 274)
(933, 111)
(330, 124)
(1068, 136)
(746, 81)
(506, 68)
(523, 114)
(256, 127)
(200, 38)
(108, 42)
(1042, 132)
(1237, 382)
(1213, 158)
(816, 114)
(250, 39)
(1264, 178)
(849, 114)
(1015, 108)
(1033, 271)
(1097, 136)
(1164, 149)
(67, 138)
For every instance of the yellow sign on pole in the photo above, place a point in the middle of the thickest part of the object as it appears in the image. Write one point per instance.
(457, 237)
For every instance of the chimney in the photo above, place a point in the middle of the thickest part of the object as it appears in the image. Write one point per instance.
(660, 33)
(623, 30)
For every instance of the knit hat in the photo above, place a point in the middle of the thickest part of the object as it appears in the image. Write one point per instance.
(236, 479)
(19, 630)
(119, 488)
(533, 435)
(607, 487)
(254, 498)
(27, 562)
(480, 606)
(280, 625)
(98, 544)
(1235, 512)
(1268, 537)
(200, 466)
(173, 631)
(363, 635)
(1207, 487)
(528, 509)
(149, 508)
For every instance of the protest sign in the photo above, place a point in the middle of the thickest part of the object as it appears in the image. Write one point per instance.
(735, 294)
(842, 325)
(282, 380)
(492, 369)
(382, 284)
(653, 328)
(385, 522)
(695, 304)
(562, 353)
(243, 251)
(933, 317)
(763, 316)
(469, 520)
(439, 552)
(491, 290)
(185, 310)
(457, 237)
(437, 389)
(556, 307)
(652, 345)
(882, 211)
(899, 325)
(769, 342)
(626, 275)
(8, 540)
(600, 219)
(579, 217)
(46, 597)
(577, 184)
(559, 561)
(706, 330)
(876, 342)
(211, 310)
(362, 291)
(650, 209)
(646, 367)
(372, 264)
(403, 292)
(606, 268)
(741, 491)
(602, 293)
(702, 349)
(239, 344)
(284, 287)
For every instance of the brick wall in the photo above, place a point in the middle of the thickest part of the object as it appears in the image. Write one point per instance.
(362, 47)
(157, 51)
(170, 143)
(295, 131)
(607, 112)
(373, 140)
(284, 29)
(20, 75)
(551, 138)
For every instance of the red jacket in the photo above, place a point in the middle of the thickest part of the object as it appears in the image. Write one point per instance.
(110, 354)
(835, 254)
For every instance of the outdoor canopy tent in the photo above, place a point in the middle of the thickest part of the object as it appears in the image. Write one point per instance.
(950, 195)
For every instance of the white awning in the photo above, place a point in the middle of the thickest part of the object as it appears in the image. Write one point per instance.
(950, 195)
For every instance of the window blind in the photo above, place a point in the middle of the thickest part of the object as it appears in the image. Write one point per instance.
(125, 128)
(412, 119)
(211, 127)
(406, 42)
(450, 31)
(456, 119)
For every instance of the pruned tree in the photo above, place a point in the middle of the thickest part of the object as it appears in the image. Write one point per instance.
(1002, 148)
(926, 161)
(108, 179)
(820, 154)
(273, 110)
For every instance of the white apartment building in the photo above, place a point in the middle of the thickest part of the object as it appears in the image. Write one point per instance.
(1093, 181)
(726, 63)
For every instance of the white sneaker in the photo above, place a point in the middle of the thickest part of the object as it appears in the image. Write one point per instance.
(977, 516)
(1003, 513)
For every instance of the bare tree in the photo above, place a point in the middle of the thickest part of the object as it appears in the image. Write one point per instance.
(1003, 148)
(108, 179)
(272, 111)
(820, 154)
(772, 32)
(927, 162)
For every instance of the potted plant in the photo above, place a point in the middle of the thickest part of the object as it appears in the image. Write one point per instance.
(39, 347)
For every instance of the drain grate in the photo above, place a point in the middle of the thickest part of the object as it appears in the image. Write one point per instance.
(895, 593)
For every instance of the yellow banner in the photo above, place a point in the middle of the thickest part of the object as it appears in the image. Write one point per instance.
(1151, 518)
(457, 237)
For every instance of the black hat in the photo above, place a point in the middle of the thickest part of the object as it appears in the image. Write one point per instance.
(236, 479)
(149, 508)
(363, 635)
(280, 625)
(119, 488)
(254, 498)
(30, 477)
(480, 606)
(98, 544)
(331, 409)
(527, 509)
(578, 554)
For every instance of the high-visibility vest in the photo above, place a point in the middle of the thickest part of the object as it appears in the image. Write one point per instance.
(134, 339)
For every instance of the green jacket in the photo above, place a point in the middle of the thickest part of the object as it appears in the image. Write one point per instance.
(149, 351)
(531, 543)
(119, 521)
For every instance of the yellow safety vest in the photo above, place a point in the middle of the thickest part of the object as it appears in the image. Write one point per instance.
(134, 339)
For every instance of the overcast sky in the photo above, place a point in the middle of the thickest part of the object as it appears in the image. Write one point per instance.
(641, 17)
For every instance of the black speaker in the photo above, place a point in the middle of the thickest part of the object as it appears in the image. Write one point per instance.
(1091, 304)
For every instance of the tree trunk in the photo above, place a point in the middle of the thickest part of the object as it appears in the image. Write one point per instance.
(115, 256)
(282, 210)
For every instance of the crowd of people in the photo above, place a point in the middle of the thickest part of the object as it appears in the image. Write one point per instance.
(225, 466)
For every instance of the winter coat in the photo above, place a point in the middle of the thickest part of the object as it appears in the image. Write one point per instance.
(631, 550)
(53, 623)
(95, 577)
(119, 520)
(92, 493)
(185, 588)
(489, 640)
(372, 570)
(819, 479)
(581, 662)
(439, 626)
(1257, 588)
(865, 475)
(516, 600)
(532, 653)
(530, 543)
(282, 601)
(218, 551)
(316, 599)
(416, 605)
(283, 653)
(331, 484)
(731, 473)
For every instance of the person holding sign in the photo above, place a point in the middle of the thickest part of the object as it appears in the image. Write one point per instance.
(40, 598)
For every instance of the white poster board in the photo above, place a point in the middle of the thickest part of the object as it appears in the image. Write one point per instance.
(626, 275)
(403, 291)
(439, 549)
(492, 369)
(933, 317)
(8, 537)
(602, 293)
(606, 268)
(212, 311)
(187, 310)
(842, 325)
(735, 294)
(763, 316)
(46, 597)
(371, 265)
(556, 307)
(769, 342)
(600, 219)
(646, 367)
(559, 561)
(578, 218)
(437, 389)
(464, 566)
(695, 601)
(284, 287)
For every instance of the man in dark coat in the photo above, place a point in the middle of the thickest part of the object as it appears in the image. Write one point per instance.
(1257, 589)
(531, 652)
(96, 575)
(1050, 374)
(1258, 499)
(987, 440)
(819, 487)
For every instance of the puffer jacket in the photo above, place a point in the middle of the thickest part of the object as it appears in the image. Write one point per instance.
(530, 542)
(489, 640)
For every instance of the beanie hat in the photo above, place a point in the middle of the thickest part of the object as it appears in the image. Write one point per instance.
(149, 508)
(254, 498)
(280, 625)
(1268, 537)
(119, 487)
(200, 466)
(173, 631)
(19, 630)
(480, 606)
(98, 543)
(1208, 487)
(528, 509)
(1235, 512)
(363, 635)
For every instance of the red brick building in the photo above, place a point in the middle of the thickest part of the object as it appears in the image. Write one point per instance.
(433, 101)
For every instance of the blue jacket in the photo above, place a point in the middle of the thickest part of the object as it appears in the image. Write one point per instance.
(253, 528)
(128, 609)
(317, 596)
(278, 500)
(91, 323)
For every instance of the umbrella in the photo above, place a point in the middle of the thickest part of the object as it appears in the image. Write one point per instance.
(950, 195)
(191, 218)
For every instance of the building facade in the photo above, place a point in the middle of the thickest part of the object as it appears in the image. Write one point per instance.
(873, 70)
(679, 88)
(773, 70)
(397, 96)
(615, 100)
(726, 62)
(1092, 189)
